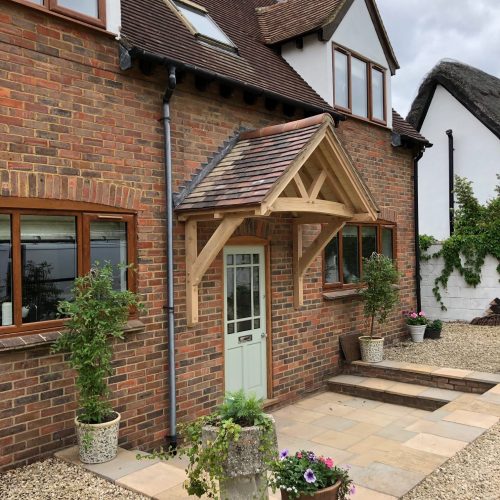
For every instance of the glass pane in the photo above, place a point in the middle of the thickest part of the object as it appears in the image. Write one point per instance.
(243, 293)
(359, 87)
(377, 94)
(86, 7)
(243, 258)
(230, 328)
(256, 323)
(341, 80)
(108, 243)
(243, 326)
(255, 258)
(203, 23)
(368, 241)
(256, 292)
(38, 2)
(229, 260)
(350, 254)
(49, 264)
(387, 242)
(230, 294)
(332, 261)
(6, 313)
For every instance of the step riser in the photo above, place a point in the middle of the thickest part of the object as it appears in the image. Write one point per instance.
(386, 397)
(411, 377)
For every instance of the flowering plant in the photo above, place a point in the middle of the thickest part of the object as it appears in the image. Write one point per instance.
(305, 473)
(414, 318)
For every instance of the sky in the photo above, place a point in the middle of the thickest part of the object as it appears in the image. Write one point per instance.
(422, 32)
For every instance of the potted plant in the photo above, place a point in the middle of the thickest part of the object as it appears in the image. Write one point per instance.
(433, 329)
(304, 475)
(228, 450)
(417, 323)
(96, 314)
(380, 296)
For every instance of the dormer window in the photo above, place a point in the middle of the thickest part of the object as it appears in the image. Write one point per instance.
(201, 24)
(359, 86)
(87, 11)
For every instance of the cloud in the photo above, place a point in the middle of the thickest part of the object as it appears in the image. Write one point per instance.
(423, 32)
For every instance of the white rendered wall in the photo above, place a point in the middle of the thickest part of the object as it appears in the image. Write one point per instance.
(113, 16)
(463, 302)
(314, 62)
(476, 156)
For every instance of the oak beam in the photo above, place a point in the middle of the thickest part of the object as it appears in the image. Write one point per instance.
(317, 185)
(332, 208)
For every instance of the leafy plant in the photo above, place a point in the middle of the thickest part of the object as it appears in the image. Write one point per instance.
(413, 318)
(305, 473)
(476, 235)
(206, 469)
(96, 314)
(380, 295)
(436, 325)
(425, 241)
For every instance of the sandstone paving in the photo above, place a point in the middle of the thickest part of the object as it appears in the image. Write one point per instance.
(471, 418)
(435, 444)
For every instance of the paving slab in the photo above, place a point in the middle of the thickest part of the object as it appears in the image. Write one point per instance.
(471, 418)
(369, 494)
(335, 423)
(447, 429)
(452, 372)
(435, 444)
(441, 394)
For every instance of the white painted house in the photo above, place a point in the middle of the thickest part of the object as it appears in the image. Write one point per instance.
(464, 101)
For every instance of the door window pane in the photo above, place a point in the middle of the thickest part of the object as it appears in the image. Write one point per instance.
(332, 261)
(341, 80)
(377, 94)
(86, 7)
(230, 293)
(49, 264)
(387, 242)
(6, 311)
(368, 241)
(256, 292)
(108, 243)
(351, 254)
(244, 326)
(243, 293)
(359, 87)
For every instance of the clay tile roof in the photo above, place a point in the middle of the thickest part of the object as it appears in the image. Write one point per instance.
(249, 170)
(290, 18)
(151, 27)
(403, 128)
(478, 91)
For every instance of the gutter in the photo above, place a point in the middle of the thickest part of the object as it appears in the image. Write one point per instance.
(171, 439)
(127, 55)
(416, 159)
(451, 178)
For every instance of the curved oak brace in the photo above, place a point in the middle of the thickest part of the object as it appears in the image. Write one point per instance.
(197, 265)
(303, 258)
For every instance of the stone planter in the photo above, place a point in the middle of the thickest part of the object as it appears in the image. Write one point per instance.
(245, 470)
(372, 349)
(417, 332)
(98, 443)
(330, 493)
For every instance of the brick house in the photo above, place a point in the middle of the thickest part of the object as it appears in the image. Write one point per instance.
(279, 190)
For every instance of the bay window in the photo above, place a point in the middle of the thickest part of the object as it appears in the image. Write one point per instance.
(359, 86)
(41, 254)
(344, 254)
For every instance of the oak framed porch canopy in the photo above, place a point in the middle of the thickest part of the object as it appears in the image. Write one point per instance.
(299, 168)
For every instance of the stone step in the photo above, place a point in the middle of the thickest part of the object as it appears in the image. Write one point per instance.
(389, 391)
(431, 376)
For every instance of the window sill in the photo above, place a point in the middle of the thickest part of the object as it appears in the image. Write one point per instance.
(342, 294)
(47, 338)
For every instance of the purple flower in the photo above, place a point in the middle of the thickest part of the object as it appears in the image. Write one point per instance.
(283, 454)
(309, 476)
(352, 490)
(311, 456)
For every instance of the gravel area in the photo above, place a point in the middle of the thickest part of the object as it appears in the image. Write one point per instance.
(53, 479)
(469, 347)
(472, 474)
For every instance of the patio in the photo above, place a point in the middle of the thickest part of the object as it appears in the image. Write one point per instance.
(389, 448)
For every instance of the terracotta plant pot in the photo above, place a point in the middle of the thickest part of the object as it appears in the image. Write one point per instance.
(98, 443)
(330, 493)
(417, 332)
(372, 349)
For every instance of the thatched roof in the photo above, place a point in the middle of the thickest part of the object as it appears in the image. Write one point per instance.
(478, 91)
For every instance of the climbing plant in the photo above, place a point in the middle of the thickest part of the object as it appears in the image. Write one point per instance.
(476, 235)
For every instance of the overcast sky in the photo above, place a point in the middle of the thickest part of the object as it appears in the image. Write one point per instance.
(424, 31)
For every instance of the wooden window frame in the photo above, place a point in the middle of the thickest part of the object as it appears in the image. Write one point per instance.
(53, 6)
(82, 219)
(370, 65)
(379, 226)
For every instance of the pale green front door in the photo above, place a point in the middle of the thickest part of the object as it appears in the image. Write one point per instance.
(245, 320)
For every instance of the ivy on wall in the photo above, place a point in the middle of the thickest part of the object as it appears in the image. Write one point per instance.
(476, 235)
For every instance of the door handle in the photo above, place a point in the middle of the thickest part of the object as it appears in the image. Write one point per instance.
(263, 335)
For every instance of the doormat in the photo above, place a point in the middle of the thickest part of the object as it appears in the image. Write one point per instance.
(350, 346)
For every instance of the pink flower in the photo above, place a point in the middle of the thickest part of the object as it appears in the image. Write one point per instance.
(298, 454)
(329, 462)
(413, 315)
(421, 313)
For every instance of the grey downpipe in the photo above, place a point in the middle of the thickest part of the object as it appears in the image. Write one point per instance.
(171, 439)
(451, 177)
(417, 229)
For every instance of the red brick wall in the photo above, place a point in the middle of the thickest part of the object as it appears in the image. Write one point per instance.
(73, 127)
